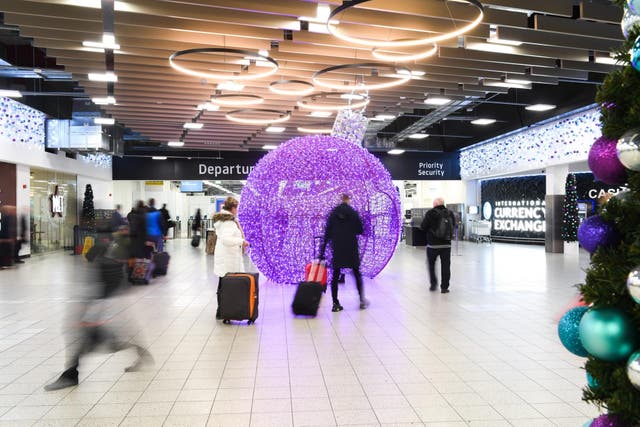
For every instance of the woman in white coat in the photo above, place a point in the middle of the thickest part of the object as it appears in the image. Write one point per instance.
(230, 242)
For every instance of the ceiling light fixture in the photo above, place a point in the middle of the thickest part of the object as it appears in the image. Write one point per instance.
(437, 100)
(108, 42)
(402, 57)
(10, 93)
(333, 29)
(306, 89)
(109, 76)
(273, 64)
(517, 81)
(317, 77)
(207, 106)
(491, 47)
(229, 85)
(104, 120)
(493, 37)
(275, 129)
(109, 100)
(282, 116)
(395, 151)
(540, 107)
(352, 96)
(310, 102)
(384, 117)
(419, 135)
(324, 114)
(483, 122)
(269, 147)
(237, 100)
(175, 144)
(192, 125)
(159, 158)
(314, 129)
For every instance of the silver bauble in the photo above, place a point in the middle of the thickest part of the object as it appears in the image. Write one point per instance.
(633, 284)
(633, 369)
(628, 149)
(629, 19)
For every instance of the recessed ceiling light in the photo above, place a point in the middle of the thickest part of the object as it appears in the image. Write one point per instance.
(491, 47)
(269, 147)
(396, 151)
(321, 114)
(483, 122)
(352, 96)
(208, 106)
(606, 60)
(493, 37)
(418, 73)
(314, 129)
(518, 81)
(275, 129)
(175, 144)
(108, 42)
(230, 85)
(159, 158)
(104, 120)
(383, 117)
(10, 93)
(436, 100)
(106, 77)
(419, 135)
(109, 100)
(540, 107)
(192, 125)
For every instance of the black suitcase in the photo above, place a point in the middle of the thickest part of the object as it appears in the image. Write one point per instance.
(307, 298)
(161, 261)
(238, 297)
(195, 240)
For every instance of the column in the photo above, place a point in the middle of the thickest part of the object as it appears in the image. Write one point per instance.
(555, 178)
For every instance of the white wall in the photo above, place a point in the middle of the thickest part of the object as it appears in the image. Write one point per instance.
(102, 192)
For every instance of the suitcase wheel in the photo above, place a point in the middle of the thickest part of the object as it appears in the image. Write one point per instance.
(226, 321)
(251, 322)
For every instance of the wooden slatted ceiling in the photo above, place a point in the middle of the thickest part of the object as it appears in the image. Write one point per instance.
(156, 100)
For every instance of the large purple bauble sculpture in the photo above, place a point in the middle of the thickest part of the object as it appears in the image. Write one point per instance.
(290, 192)
(604, 162)
(595, 231)
(607, 420)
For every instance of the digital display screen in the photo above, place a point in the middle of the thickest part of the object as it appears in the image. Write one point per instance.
(191, 187)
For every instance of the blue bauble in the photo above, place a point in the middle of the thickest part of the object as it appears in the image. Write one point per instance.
(569, 331)
(595, 231)
(587, 424)
(591, 381)
(634, 6)
(608, 334)
(635, 54)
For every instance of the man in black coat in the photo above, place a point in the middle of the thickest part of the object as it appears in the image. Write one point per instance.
(439, 224)
(342, 230)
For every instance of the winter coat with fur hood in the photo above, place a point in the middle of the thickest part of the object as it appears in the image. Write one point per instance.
(228, 253)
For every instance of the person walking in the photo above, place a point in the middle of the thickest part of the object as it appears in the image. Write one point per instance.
(117, 220)
(342, 229)
(155, 226)
(166, 220)
(439, 224)
(230, 242)
(196, 225)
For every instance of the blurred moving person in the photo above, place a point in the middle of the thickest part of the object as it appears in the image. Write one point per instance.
(155, 226)
(94, 323)
(117, 220)
(138, 230)
(8, 236)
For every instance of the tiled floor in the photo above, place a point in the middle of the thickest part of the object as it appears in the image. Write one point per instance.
(486, 354)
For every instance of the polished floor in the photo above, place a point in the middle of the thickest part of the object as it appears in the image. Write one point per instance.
(486, 354)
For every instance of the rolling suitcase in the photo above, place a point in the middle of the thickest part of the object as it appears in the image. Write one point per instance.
(316, 271)
(161, 261)
(238, 297)
(307, 298)
(141, 271)
(195, 240)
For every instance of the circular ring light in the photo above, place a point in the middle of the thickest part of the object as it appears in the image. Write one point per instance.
(273, 87)
(228, 76)
(306, 102)
(315, 129)
(394, 57)
(399, 43)
(282, 116)
(236, 100)
(399, 80)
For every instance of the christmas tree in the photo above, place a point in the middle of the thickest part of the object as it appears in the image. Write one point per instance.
(88, 217)
(570, 220)
(607, 329)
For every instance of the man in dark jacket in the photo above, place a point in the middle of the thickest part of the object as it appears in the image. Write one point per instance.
(439, 224)
(342, 230)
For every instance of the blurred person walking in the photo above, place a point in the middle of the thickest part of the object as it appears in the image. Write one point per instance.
(166, 220)
(439, 224)
(8, 235)
(155, 226)
(342, 229)
(138, 230)
(117, 220)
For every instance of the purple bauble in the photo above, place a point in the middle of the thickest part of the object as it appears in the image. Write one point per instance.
(604, 162)
(608, 420)
(595, 231)
(290, 192)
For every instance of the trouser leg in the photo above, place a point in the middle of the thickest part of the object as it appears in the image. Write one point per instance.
(358, 277)
(334, 285)
(445, 266)
(432, 255)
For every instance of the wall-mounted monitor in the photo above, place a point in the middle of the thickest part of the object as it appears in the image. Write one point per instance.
(191, 187)
(473, 210)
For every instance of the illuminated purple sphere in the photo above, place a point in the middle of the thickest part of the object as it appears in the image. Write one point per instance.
(595, 232)
(604, 162)
(290, 192)
(607, 420)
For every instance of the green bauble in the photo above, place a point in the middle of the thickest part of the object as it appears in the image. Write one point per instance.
(607, 333)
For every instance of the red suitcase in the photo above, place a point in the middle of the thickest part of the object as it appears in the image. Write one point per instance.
(316, 271)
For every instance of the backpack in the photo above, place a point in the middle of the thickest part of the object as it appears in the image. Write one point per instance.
(444, 229)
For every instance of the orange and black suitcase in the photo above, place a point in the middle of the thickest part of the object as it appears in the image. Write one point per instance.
(238, 297)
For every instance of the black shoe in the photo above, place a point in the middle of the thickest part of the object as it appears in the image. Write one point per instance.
(19, 261)
(341, 278)
(337, 307)
(62, 382)
(364, 303)
(433, 288)
(444, 291)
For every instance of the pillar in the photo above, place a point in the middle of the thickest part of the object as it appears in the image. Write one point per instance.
(555, 181)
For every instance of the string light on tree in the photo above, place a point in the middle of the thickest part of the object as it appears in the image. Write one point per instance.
(570, 219)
